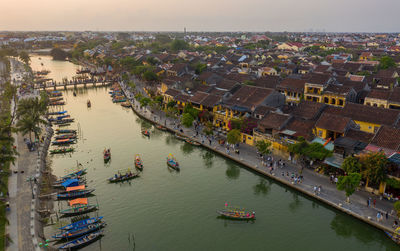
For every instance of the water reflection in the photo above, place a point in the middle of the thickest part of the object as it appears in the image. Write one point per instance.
(171, 140)
(187, 148)
(233, 171)
(296, 203)
(344, 227)
(207, 157)
(263, 187)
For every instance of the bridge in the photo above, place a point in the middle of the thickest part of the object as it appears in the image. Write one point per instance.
(75, 83)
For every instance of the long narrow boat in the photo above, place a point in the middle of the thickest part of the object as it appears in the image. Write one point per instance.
(62, 150)
(66, 136)
(81, 223)
(119, 100)
(69, 182)
(160, 127)
(236, 213)
(59, 131)
(146, 133)
(55, 99)
(77, 210)
(63, 121)
(74, 194)
(74, 233)
(138, 162)
(82, 241)
(192, 142)
(89, 104)
(64, 142)
(123, 176)
(73, 175)
(56, 103)
(172, 162)
(56, 113)
(181, 137)
(126, 104)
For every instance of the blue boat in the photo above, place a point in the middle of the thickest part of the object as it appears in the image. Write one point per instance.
(82, 241)
(56, 113)
(76, 232)
(64, 141)
(82, 223)
(74, 194)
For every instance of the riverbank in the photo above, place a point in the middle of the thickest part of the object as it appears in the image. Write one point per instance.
(249, 158)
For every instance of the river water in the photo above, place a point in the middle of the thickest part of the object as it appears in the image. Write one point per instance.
(168, 210)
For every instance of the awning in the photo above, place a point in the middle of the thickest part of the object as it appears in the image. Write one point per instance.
(334, 161)
(75, 188)
(329, 146)
(80, 201)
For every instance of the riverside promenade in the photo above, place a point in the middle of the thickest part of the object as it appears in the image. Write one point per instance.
(250, 158)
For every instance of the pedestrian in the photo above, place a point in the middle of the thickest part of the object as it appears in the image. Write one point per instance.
(378, 216)
(368, 202)
(387, 215)
(319, 189)
(395, 224)
(315, 189)
(336, 180)
(374, 203)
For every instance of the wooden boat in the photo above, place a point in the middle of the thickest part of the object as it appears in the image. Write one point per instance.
(126, 104)
(56, 94)
(62, 121)
(236, 213)
(180, 136)
(74, 233)
(395, 235)
(66, 136)
(64, 141)
(63, 117)
(76, 181)
(160, 127)
(55, 99)
(107, 155)
(88, 104)
(63, 125)
(146, 133)
(74, 93)
(59, 131)
(123, 176)
(77, 210)
(119, 100)
(82, 241)
(62, 150)
(138, 162)
(75, 192)
(192, 142)
(56, 113)
(82, 223)
(172, 162)
(56, 103)
(75, 174)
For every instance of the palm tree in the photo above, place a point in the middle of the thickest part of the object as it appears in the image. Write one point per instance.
(30, 123)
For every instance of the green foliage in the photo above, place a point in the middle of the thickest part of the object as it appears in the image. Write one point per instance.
(351, 165)
(30, 112)
(235, 124)
(234, 136)
(263, 147)
(178, 45)
(314, 151)
(208, 129)
(374, 167)
(144, 101)
(24, 56)
(348, 183)
(396, 206)
(58, 54)
(386, 62)
(171, 104)
(149, 76)
(187, 120)
(128, 63)
(192, 111)
(199, 68)
(163, 38)
(152, 60)
(393, 183)
(158, 99)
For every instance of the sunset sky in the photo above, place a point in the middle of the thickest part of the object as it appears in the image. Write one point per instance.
(205, 15)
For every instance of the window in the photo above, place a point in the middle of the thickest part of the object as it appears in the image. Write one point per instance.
(341, 102)
(319, 133)
(326, 100)
(333, 101)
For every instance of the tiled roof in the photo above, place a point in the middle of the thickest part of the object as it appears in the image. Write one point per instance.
(172, 92)
(274, 121)
(360, 135)
(334, 123)
(301, 127)
(182, 97)
(267, 81)
(198, 97)
(379, 94)
(319, 79)
(249, 96)
(387, 137)
(338, 89)
(308, 110)
(211, 100)
(290, 84)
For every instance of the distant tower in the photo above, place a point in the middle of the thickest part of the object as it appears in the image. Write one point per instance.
(184, 31)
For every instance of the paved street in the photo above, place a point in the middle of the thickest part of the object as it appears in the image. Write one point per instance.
(249, 156)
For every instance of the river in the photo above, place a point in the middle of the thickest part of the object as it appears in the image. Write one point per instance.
(168, 210)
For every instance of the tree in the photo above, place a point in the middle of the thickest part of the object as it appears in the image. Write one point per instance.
(374, 167)
(396, 206)
(187, 120)
(263, 147)
(178, 45)
(149, 76)
(349, 183)
(313, 151)
(234, 136)
(191, 110)
(58, 54)
(386, 62)
(144, 101)
(208, 129)
(199, 68)
(24, 56)
(351, 165)
(171, 104)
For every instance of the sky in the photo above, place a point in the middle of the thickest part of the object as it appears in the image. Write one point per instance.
(201, 15)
